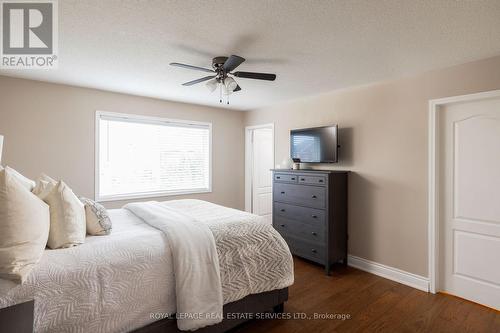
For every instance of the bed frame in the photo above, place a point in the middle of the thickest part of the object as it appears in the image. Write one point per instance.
(252, 304)
(19, 318)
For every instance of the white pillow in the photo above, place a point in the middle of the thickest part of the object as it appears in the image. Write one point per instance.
(25, 182)
(24, 227)
(98, 221)
(44, 185)
(67, 214)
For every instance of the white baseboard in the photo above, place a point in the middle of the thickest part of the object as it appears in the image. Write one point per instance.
(391, 273)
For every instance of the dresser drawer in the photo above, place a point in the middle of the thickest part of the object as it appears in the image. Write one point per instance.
(285, 178)
(308, 232)
(312, 180)
(309, 196)
(306, 249)
(302, 214)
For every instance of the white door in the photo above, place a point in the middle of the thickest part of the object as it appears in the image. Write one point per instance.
(470, 201)
(261, 163)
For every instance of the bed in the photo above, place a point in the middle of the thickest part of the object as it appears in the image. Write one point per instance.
(125, 281)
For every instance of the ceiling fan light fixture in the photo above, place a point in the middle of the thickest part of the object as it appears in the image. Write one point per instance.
(212, 85)
(230, 84)
(222, 67)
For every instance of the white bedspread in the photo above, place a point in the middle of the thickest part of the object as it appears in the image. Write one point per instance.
(252, 256)
(115, 283)
(108, 284)
(198, 287)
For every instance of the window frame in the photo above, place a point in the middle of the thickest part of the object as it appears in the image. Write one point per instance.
(153, 120)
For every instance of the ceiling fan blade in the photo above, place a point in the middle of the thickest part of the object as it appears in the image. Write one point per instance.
(206, 78)
(196, 68)
(232, 62)
(238, 88)
(256, 76)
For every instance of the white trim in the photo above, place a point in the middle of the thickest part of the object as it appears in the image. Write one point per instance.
(391, 273)
(432, 232)
(1, 148)
(96, 155)
(248, 171)
(158, 120)
(433, 178)
(152, 194)
(127, 116)
(248, 161)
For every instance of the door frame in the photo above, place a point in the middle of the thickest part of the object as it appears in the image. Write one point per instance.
(249, 161)
(436, 105)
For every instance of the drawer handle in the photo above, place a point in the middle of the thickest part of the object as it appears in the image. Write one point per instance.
(302, 179)
(282, 192)
(314, 234)
(293, 178)
(282, 209)
(314, 197)
(314, 216)
(321, 180)
(314, 251)
(282, 225)
(278, 177)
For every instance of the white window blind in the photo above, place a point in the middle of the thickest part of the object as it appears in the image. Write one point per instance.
(146, 157)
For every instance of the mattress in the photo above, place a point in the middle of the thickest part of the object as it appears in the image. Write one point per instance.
(108, 284)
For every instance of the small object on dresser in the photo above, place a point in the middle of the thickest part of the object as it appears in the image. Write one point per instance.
(286, 163)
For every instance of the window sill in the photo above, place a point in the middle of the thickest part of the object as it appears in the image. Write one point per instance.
(132, 196)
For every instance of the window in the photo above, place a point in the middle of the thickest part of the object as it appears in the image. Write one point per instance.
(139, 157)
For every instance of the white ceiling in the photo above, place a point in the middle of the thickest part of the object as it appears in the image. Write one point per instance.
(312, 46)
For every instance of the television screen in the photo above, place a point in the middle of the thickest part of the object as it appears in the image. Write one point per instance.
(314, 145)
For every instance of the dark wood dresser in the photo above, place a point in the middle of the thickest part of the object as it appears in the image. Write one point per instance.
(310, 212)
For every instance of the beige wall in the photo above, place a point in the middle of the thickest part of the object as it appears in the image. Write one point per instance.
(50, 128)
(384, 142)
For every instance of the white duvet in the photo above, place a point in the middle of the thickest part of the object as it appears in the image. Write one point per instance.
(198, 287)
(108, 284)
(117, 283)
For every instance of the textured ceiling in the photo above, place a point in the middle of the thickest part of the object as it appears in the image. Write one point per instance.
(312, 46)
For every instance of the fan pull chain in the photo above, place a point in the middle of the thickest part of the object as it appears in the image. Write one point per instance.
(220, 93)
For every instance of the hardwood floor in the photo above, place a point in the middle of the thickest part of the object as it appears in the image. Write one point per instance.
(374, 304)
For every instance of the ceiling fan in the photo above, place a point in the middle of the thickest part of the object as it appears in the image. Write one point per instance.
(221, 75)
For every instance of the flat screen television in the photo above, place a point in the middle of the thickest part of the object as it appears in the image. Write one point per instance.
(314, 145)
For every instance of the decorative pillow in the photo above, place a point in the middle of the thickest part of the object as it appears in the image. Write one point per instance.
(98, 221)
(24, 227)
(67, 214)
(43, 186)
(25, 182)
